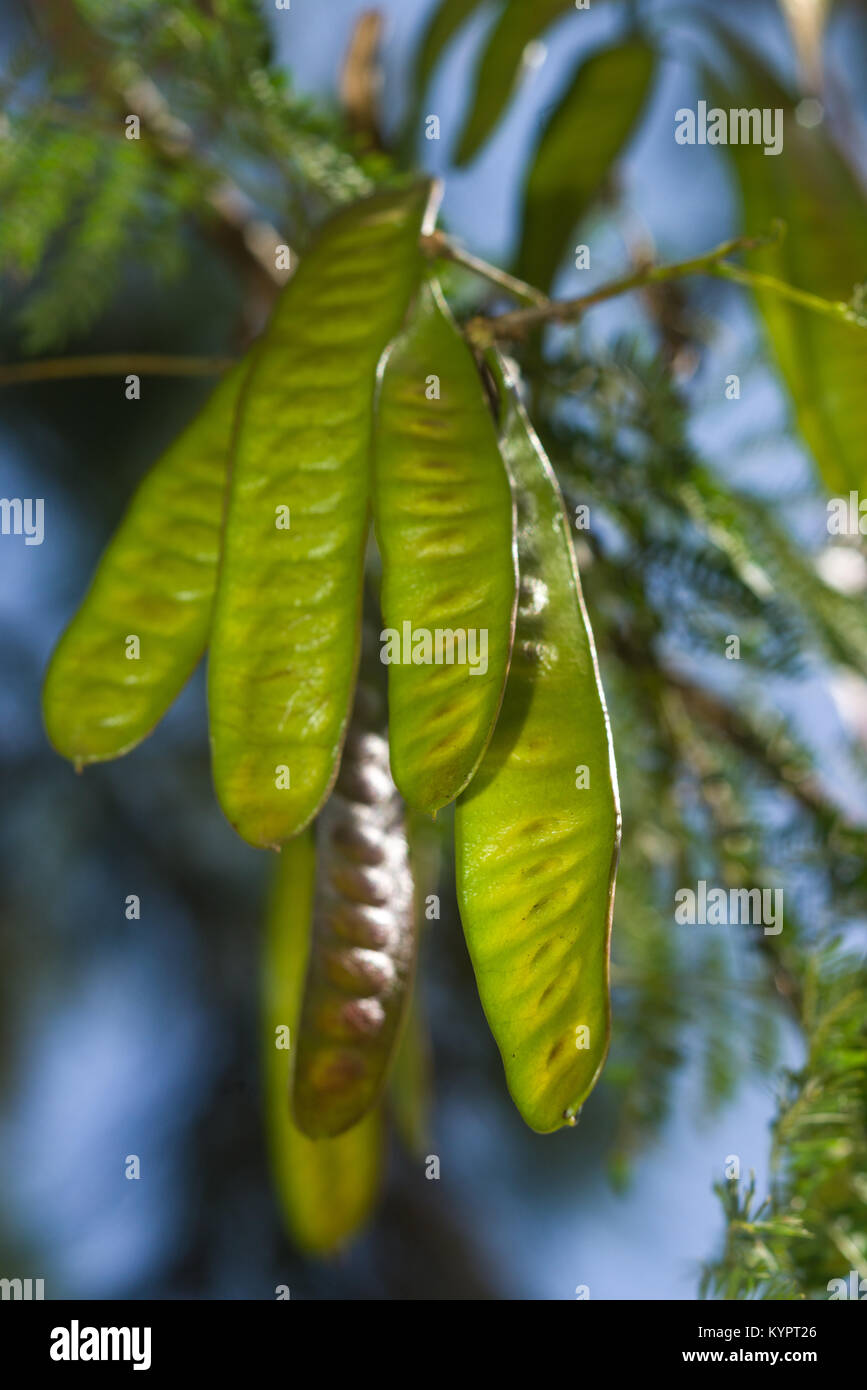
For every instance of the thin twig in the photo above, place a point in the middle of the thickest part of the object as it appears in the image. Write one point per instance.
(835, 309)
(483, 331)
(112, 364)
(440, 247)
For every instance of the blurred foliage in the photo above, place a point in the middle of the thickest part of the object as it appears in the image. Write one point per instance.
(716, 783)
(815, 188)
(84, 205)
(811, 1229)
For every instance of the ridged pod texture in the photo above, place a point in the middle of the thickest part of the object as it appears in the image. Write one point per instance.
(285, 636)
(445, 526)
(155, 582)
(537, 832)
(362, 961)
(326, 1188)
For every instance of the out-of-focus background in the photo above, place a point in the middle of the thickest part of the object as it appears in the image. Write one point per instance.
(123, 1037)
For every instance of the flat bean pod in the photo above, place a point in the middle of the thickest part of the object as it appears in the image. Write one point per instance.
(284, 646)
(537, 832)
(155, 583)
(362, 960)
(410, 1091)
(326, 1188)
(445, 526)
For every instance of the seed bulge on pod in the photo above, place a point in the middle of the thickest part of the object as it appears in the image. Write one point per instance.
(361, 885)
(362, 925)
(363, 779)
(360, 969)
(360, 843)
(364, 938)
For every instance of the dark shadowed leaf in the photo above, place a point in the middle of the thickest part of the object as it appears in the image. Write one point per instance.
(578, 149)
(501, 64)
(444, 523)
(445, 21)
(365, 933)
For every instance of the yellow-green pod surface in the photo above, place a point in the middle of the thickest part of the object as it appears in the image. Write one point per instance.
(445, 526)
(326, 1188)
(362, 958)
(143, 625)
(284, 646)
(537, 832)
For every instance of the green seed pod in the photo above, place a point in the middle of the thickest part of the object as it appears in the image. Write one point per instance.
(362, 960)
(409, 1092)
(445, 526)
(537, 832)
(327, 1188)
(105, 691)
(284, 647)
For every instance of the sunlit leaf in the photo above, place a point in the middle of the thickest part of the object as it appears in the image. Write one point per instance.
(807, 20)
